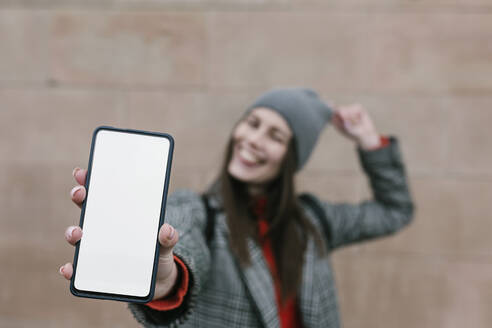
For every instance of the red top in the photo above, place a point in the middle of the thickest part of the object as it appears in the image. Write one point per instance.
(289, 315)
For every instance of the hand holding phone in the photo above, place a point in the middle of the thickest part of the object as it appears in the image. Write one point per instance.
(166, 272)
(142, 154)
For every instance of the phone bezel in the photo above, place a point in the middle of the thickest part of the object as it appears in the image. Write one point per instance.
(120, 297)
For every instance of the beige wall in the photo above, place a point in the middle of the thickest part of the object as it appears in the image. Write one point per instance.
(189, 67)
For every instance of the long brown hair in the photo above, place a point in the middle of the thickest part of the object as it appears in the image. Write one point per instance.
(288, 227)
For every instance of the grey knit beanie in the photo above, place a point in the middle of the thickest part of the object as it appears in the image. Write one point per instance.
(305, 113)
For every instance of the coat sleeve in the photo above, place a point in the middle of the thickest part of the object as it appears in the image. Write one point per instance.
(185, 211)
(390, 209)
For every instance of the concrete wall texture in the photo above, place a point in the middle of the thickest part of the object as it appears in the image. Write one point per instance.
(189, 68)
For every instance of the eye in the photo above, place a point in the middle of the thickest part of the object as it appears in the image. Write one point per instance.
(277, 137)
(252, 122)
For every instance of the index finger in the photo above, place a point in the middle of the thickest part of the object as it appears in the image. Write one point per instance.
(80, 175)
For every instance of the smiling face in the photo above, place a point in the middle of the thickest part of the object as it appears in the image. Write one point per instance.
(260, 142)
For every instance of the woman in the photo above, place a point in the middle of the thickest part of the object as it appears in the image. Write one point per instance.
(267, 263)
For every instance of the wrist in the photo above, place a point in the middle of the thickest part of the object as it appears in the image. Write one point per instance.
(369, 141)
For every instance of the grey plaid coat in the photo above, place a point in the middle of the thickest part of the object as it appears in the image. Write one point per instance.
(222, 294)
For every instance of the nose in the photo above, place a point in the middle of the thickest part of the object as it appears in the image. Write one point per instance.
(255, 138)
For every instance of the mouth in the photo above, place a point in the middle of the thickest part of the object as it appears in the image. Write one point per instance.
(248, 158)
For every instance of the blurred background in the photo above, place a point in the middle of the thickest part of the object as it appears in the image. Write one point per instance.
(189, 68)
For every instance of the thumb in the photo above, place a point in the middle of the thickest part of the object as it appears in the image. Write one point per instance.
(168, 237)
(166, 270)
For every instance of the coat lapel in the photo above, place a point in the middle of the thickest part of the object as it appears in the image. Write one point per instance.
(258, 280)
(259, 283)
(308, 301)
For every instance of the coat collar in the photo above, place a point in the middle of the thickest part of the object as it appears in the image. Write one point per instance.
(259, 283)
(260, 286)
(308, 296)
(256, 276)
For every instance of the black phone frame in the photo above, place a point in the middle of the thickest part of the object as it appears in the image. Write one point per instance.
(111, 296)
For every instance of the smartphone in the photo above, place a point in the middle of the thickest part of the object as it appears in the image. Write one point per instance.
(127, 183)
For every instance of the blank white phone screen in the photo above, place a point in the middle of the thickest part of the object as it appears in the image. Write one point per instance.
(123, 206)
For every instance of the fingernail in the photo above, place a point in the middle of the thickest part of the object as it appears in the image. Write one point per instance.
(171, 234)
(75, 171)
(74, 190)
(69, 232)
(61, 270)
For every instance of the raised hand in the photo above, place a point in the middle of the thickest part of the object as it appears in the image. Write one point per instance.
(354, 122)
